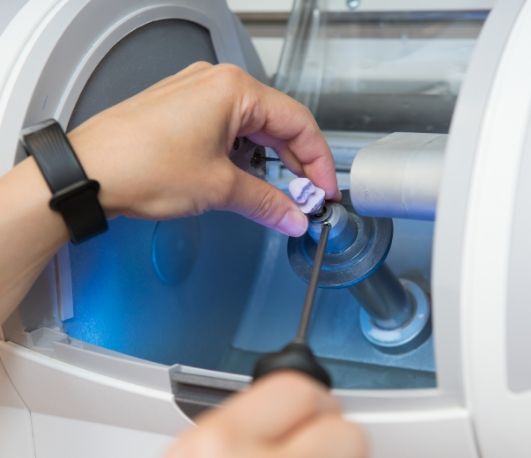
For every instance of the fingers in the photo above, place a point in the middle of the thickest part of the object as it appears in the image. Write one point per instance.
(329, 436)
(278, 121)
(263, 203)
(282, 415)
(289, 159)
(270, 118)
(278, 404)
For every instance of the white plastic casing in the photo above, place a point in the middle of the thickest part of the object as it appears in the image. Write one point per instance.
(61, 407)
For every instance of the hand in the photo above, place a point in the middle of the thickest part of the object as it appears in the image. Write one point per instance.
(164, 152)
(284, 415)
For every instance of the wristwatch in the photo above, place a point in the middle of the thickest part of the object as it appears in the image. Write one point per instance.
(74, 195)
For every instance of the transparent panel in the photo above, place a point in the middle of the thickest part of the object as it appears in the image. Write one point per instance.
(377, 72)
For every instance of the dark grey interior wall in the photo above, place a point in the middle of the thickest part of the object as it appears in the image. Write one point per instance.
(142, 58)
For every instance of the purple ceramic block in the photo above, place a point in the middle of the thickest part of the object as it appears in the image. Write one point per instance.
(308, 197)
(299, 189)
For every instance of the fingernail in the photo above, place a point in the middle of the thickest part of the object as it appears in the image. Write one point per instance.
(293, 223)
(335, 196)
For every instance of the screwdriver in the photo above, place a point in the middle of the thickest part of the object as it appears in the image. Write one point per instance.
(297, 355)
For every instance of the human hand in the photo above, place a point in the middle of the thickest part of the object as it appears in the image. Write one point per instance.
(284, 415)
(164, 152)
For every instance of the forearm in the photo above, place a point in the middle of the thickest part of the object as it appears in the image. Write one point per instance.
(30, 232)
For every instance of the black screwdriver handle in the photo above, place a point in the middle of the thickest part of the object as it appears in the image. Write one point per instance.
(294, 356)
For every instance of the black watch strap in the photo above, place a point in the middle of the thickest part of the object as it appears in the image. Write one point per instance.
(75, 196)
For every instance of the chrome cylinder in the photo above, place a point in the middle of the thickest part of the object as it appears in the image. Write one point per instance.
(398, 176)
(394, 313)
(384, 298)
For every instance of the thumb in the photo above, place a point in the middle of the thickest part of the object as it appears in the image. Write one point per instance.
(263, 203)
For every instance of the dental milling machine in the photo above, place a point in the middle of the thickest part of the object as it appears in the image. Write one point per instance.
(417, 292)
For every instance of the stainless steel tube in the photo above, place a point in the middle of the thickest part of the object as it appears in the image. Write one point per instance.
(384, 298)
(398, 176)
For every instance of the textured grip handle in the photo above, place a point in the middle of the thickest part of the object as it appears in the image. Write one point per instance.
(294, 356)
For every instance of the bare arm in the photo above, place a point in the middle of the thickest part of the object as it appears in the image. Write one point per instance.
(30, 232)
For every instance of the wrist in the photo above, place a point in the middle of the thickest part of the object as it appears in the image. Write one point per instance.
(35, 203)
(97, 168)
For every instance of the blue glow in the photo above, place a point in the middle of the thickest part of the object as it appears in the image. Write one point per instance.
(236, 298)
(120, 302)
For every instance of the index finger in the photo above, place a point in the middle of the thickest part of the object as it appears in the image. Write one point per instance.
(276, 120)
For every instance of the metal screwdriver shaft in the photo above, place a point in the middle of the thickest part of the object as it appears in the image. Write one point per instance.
(297, 355)
(312, 285)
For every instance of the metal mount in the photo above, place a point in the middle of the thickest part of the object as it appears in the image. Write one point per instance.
(411, 328)
(394, 313)
(356, 247)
